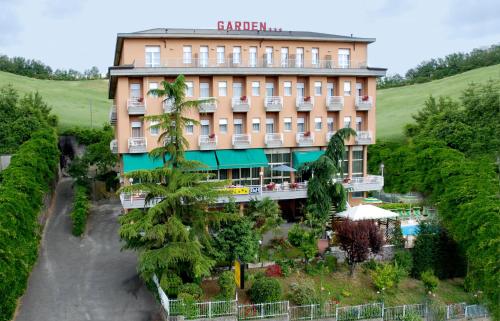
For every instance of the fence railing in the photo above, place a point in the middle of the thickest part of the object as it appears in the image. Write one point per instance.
(398, 313)
(202, 310)
(360, 312)
(262, 310)
(313, 311)
(475, 311)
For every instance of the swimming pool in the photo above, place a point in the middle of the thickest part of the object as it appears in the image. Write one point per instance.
(409, 230)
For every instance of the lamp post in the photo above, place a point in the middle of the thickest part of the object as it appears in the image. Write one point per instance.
(382, 169)
(261, 174)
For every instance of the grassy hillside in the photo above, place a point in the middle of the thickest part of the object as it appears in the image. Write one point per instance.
(70, 100)
(396, 105)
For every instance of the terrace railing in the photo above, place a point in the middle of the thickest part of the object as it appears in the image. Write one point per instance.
(262, 310)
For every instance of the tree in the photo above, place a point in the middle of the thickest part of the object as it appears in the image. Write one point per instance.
(305, 240)
(265, 213)
(322, 190)
(236, 240)
(358, 239)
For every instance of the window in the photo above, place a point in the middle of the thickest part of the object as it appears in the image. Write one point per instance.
(246, 176)
(152, 56)
(136, 129)
(357, 161)
(223, 125)
(220, 54)
(252, 56)
(317, 124)
(301, 125)
(347, 121)
(288, 88)
(330, 124)
(269, 89)
(344, 58)
(187, 54)
(204, 89)
(317, 88)
(345, 163)
(347, 88)
(189, 89)
(236, 55)
(269, 56)
(238, 126)
(222, 88)
(237, 89)
(299, 57)
(189, 128)
(284, 57)
(154, 129)
(359, 89)
(315, 56)
(153, 85)
(256, 125)
(300, 89)
(359, 123)
(275, 159)
(255, 88)
(288, 124)
(330, 89)
(269, 125)
(135, 91)
(204, 56)
(205, 127)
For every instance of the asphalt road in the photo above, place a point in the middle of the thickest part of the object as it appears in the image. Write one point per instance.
(85, 278)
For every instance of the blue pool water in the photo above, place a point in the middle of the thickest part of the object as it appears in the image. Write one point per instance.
(409, 230)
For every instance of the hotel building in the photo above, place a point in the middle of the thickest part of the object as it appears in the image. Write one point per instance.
(279, 96)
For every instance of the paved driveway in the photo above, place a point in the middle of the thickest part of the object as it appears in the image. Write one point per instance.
(85, 279)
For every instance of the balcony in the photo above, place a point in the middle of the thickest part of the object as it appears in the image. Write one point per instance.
(305, 139)
(334, 103)
(207, 142)
(137, 145)
(168, 105)
(363, 137)
(113, 146)
(112, 115)
(363, 184)
(242, 141)
(240, 104)
(136, 106)
(364, 102)
(273, 103)
(305, 103)
(208, 107)
(329, 136)
(273, 140)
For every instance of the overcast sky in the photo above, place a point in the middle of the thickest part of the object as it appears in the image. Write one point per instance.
(81, 33)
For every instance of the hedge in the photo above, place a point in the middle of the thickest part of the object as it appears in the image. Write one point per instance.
(22, 186)
(80, 211)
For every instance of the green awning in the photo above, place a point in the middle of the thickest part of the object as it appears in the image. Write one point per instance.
(134, 162)
(301, 158)
(241, 158)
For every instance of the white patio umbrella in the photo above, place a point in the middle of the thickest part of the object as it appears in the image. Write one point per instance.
(366, 212)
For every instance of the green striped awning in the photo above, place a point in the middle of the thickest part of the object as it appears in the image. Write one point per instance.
(241, 158)
(301, 158)
(134, 162)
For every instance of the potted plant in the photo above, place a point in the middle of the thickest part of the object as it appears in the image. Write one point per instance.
(271, 186)
(307, 134)
(243, 98)
(211, 136)
(365, 98)
(140, 99)
(294, 185)
(307, 99)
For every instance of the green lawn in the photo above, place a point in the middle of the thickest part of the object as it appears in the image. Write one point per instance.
(396, 105)
(70, 100)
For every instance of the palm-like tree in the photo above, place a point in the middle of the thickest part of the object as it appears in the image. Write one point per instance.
(323, 190)
(265, 213)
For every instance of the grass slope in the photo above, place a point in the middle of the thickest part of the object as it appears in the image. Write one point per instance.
(396, 105)
(69, 99)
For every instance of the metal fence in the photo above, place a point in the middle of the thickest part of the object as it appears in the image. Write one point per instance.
(201, 310)
(313, 311)
(262, 310)
(455, 311)
(359, 312)
(475, 311)
(399, 313)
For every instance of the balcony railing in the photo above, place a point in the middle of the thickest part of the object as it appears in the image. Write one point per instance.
(137, 145)
(305, 103)
(168, 105)
(242, 140)
(112, 115)
(305, 139)
(136, 106)
(364, 102)
(363, 184)
(240, 104)
(228, 62)
(208, 107)
(334, 103)
(113, 146)
(329, 136)
(363, 137)
(273, 139)
(273, 103)
(207, 142)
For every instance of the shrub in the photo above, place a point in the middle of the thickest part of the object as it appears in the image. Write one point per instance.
(227, 285)
(383, 277)
(80, 211)
(331, 263)
(303, 293)
(189, 308)
(404, 260)
(192, 289)
(273, 270)
(430, 280)
(171, 284)
(412, 316)
(286, 266)
(370, 265)
(397, 238)
(266, 290)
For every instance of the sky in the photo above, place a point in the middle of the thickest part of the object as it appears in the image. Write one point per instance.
(79, 34)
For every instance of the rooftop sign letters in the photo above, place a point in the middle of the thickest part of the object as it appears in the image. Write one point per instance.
(244, 25)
